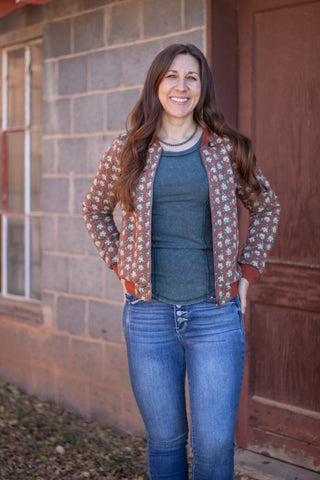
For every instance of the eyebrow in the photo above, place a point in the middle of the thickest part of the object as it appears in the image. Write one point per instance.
(176, 71)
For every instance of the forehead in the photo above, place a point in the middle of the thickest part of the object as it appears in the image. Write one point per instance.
(185, 62)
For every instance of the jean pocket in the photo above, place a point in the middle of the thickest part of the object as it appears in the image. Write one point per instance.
(132, 299)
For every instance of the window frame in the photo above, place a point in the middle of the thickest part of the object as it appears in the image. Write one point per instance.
(27, 214)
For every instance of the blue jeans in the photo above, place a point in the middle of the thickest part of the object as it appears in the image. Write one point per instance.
(163, 342)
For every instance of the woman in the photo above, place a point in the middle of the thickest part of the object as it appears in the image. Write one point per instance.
(177, 173)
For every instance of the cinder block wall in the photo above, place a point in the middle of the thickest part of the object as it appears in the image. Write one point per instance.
(96, 54)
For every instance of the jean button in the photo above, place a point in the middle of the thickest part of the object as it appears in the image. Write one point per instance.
(179, 313)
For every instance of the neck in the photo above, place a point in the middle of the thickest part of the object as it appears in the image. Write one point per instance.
(176, 130)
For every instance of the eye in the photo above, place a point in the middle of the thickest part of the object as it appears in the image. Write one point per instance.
(191, 77)
(171, 75)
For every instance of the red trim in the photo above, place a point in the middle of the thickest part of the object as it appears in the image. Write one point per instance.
(8, 6)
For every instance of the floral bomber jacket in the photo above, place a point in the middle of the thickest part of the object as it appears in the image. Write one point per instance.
(128, 252)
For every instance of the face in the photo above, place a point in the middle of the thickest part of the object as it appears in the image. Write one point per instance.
(179, 90)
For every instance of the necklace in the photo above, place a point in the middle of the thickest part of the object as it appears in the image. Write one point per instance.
(182, 143)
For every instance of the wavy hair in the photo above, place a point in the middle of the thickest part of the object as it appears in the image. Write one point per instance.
(144, 120)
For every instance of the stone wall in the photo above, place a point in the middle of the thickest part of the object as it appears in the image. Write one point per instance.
(96, 53)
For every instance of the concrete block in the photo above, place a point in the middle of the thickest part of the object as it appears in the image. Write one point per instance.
(124, 23)
(71, 393)
(49, 79)
(72, 75)
(48, 300)
(63, 8)
(131, 418)
(48, 232)
(86, 276)
(97, 146)
(72, 235)
(137, 60)
(7, 336)
(105, 69)
(56, 352)
(43, 383)
(161, 17)
(119, 104)
(48, 164)
(105, 404)
(55, 195)
(197, 37)
(87, 358)
(57, 39)
(194, 13)
(113, 288)
(116, 366)
(55, 272)
(80, 189)
(88, 114)
(72, 155)
(18, 373)
(48, 310)
(105, 321)
(56, 116)
(88, 31)
(25, 344)
(71, 315)
(88, 4)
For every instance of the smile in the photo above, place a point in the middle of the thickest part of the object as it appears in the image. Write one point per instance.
(179, 100)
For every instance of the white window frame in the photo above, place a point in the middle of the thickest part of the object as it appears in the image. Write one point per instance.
(27, 213)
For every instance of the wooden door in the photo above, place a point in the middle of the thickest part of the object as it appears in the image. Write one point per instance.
(279, 108)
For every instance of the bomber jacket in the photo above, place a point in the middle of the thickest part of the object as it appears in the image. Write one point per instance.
(128, 252)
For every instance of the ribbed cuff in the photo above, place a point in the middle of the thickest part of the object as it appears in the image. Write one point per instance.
(249, 272)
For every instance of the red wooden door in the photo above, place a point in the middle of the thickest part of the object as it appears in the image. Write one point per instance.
(279, 108)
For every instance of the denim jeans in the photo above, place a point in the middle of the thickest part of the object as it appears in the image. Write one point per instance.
(163, 343)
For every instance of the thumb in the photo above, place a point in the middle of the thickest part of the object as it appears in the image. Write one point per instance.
(243, 290)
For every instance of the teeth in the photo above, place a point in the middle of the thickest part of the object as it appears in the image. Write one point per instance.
(180, 100)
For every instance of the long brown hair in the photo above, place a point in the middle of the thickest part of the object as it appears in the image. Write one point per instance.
(143, 124)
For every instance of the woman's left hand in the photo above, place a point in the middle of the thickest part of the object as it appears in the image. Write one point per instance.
(243, 286)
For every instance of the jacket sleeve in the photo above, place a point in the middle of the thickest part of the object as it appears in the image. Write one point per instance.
(100, 202)
(264, 215)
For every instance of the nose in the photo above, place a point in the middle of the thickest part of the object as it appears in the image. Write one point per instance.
(181, 84)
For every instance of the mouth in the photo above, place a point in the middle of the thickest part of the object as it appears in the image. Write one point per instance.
(180, 100)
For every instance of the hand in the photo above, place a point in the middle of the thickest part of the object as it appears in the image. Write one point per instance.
(123, 283)
(243, 286)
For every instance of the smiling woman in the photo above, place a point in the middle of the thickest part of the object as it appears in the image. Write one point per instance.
(179, 94)
(178, 172)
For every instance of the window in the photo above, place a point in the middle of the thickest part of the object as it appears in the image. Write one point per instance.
(20, 169)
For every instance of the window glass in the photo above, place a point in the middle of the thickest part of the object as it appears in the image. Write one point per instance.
(36, 143)
(36, 85)
(15, 171)
(16, 88)
(35, 257)
(15, 242)
(20, 201)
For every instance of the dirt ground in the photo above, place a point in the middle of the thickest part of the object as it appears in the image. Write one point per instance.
(41, 441)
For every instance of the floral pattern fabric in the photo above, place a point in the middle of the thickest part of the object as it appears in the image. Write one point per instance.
(130, 248)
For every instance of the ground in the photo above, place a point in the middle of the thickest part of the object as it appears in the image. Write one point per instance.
(41, 441)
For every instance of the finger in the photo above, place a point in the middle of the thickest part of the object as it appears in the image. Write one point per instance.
(243, 304)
